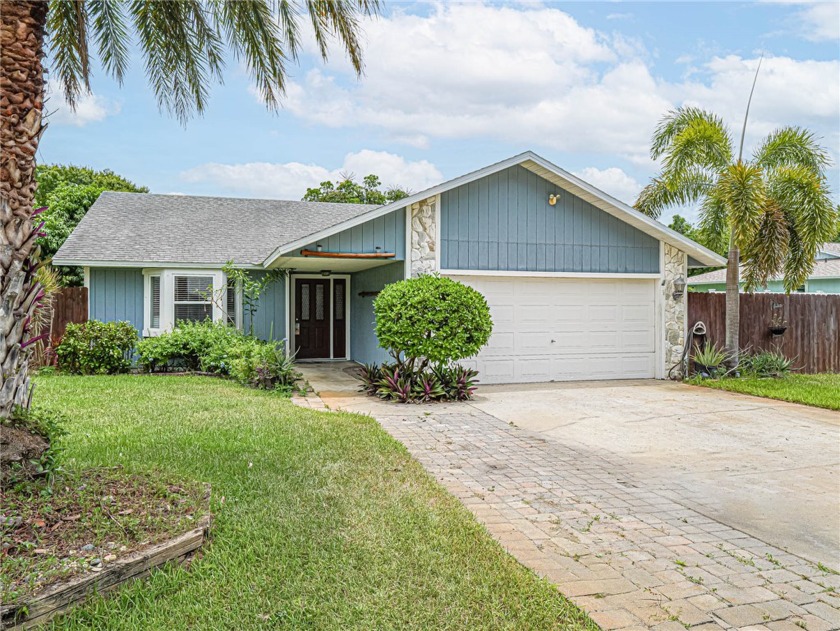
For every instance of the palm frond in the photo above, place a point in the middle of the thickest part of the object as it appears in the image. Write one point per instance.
(683, 188)
(339, 18)
(804, 196)
(111, 35)
(700, 143)
(183, 42)
(742, 191)
(705, 134)
(255, 37)
(789, 147)
(67, 28)
(765, 255)
(182, 51)
(714, 220)
(799, 262)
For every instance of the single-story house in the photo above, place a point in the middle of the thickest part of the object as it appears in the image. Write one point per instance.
(580, 285)
(825, 279)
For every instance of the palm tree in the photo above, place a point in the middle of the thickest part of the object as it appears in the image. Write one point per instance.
(773, 209)
(183, 46)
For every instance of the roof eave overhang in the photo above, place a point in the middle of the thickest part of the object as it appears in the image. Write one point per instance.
(549, 171)
(67, 262)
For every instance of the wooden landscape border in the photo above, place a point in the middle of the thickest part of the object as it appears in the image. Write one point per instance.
(60, 597)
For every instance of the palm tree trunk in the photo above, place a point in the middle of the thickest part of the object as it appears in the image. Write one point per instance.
(22, 26)
(733, 303)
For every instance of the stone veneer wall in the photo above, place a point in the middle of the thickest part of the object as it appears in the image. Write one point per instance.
(675, 266)
(423, 246)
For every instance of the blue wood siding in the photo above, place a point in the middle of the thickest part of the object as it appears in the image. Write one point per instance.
(116, 294)
(504, 222)
(270, 317)
(387, 232)
(364, 347)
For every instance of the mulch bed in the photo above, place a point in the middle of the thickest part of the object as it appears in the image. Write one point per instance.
(86, 520)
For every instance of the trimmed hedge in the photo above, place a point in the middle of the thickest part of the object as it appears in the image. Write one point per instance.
(96, 348)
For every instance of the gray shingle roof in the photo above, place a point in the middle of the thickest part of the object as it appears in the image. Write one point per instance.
(142, 227)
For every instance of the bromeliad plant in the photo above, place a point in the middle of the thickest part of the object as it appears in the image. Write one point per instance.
(393, 382)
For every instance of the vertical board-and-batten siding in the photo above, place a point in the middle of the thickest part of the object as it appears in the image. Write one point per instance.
(364, 346)
(270, 316)
(116, 294)
(504, 222)
(386, 232)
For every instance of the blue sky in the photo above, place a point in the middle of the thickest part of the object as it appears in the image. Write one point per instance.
(449, 88)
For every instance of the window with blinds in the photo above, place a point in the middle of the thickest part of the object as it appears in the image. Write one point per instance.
(193, 298)
(154, 316)
(230, 302)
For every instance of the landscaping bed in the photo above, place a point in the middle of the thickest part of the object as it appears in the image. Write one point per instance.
(821, 390)
(320, 520)
(83, 522)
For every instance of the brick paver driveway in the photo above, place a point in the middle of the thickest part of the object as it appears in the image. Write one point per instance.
(633, 555)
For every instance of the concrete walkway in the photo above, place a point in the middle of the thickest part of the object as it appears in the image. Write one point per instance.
(632, 549)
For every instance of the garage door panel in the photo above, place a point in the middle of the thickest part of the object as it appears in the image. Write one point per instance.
(566, 329)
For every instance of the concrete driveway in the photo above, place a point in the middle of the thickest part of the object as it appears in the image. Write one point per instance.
(769, 468)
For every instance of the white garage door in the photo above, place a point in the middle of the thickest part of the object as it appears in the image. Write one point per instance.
(562, 329)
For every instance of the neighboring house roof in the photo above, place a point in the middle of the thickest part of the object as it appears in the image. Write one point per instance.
(552, 173)
(830, 250)
(824, 268)
(145, 229)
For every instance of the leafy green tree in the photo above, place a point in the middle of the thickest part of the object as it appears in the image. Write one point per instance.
(348, 191)
(68, 192)
(184, 46)
(683, 226)
(773, 208)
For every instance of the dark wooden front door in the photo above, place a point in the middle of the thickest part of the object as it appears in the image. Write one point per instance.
(312, 318)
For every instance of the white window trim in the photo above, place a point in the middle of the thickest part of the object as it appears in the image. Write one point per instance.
(167, 297)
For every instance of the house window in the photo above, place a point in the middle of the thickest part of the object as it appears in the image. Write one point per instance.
(154, 315)
(173, 296)
(231, 315)
(193, 298)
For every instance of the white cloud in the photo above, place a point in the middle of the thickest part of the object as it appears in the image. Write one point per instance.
(90, 108)
(613, 181)
(821, 21)
(289, 180)
(817, 20)
(534, 76)
(788, 92)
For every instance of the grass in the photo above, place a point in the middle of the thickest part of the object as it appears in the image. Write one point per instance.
(322, 521)
(818, 390)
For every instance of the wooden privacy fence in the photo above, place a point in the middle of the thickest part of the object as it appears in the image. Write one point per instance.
(70, 304)
(812, 338)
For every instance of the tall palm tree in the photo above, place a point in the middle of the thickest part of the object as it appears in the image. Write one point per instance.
(774, 209)
(183, 45)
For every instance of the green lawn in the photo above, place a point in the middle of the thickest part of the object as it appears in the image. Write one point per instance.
(818, 390)
(322, 520)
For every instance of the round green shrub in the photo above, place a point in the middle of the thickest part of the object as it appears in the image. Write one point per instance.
(434, 318)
